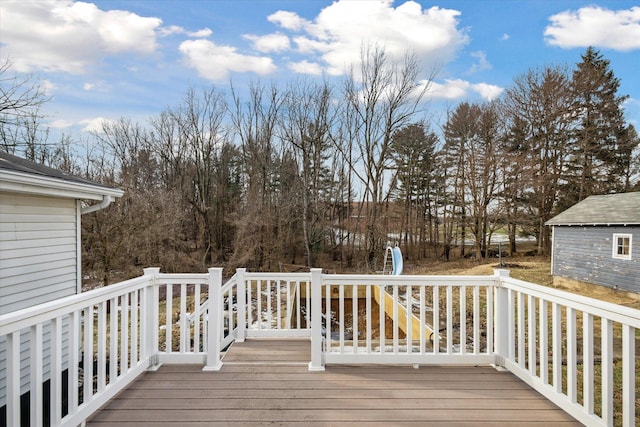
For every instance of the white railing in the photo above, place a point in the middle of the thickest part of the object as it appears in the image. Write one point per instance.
(277, 304)
(551, 343)
(85, 348)
(102, 340)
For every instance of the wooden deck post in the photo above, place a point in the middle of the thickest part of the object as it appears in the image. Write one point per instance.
(213, 362)
(501, 323)
(241, 304)
(316, 320)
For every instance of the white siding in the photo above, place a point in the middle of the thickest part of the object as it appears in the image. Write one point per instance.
(38, 263)
(38, 259)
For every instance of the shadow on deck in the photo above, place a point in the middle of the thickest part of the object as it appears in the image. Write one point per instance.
(268, 382)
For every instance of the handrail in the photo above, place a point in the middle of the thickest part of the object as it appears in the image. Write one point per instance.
(614, 312)
(531, 330)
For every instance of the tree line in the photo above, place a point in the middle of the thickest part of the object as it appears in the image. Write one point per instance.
(320, 173)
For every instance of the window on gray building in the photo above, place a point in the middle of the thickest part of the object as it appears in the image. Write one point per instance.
(622, 246)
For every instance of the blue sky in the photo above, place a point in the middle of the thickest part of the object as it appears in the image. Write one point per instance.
(103, 60)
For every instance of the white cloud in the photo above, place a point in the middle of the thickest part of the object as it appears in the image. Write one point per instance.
(60, 35)
(215, 62)
(276, 42)
(595, 26)
(288, 20)
(481, 62)
(170, 30)
(338, 33)
(200, 34)
(95, 124)
(96, 86)
(487, 92)
(450, 89)
(459, 89)
(505, 37)
(48, 86)
(60, 124)
(306, 67)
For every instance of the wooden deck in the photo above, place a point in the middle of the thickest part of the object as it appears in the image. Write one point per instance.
(267, 382)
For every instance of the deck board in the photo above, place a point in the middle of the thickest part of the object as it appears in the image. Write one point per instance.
(267, 382)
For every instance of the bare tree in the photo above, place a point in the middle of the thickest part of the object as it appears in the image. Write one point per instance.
(21, 98)
(306, 121)
(254, 122)
(383, 97)
(539, 104)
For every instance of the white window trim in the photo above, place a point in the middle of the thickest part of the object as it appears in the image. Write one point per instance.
(617, 236)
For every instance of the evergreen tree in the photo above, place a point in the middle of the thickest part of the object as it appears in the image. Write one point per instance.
(601, 147)
(413, 150)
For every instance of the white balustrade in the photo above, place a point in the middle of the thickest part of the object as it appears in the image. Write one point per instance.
(565, 346)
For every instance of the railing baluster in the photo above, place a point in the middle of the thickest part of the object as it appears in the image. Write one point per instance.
(36, 368)
(196, 317)
(463, 319)
(278, 284)
(269, 310)
(124, 334)
(556, 331)
(628, 376)
(298, 307)
(395, 319)
(544, 341)
(184, 321)
(169, 319)
(327, 316)
(409, 312)
(606, 365)
(449, 319)
(587, 362)
(572, 391)
(354, 317)
(288, 311)
(341, 316)
(382, 322)
(521, 335)
(55, 370)
(74, 345)
(476, 320)
(88, 355)
(423, 322)
(308, 304)
(135, 328)
(490, 316)
(259, 298)
(250, 304)
(531, 341)
(102, 346)
(368, 320)
(113, 340)
(511, 324)
(436, 320)
(13, 378)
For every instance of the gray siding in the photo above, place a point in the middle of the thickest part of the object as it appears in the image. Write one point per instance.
(585, 254)
(38, 264)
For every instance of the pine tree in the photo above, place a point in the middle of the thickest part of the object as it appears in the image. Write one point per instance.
(600, 147)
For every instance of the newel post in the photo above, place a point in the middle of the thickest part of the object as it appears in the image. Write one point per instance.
(501, 319)
(150, 321)
(316, 320)
(241, 304)
(214, 330)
